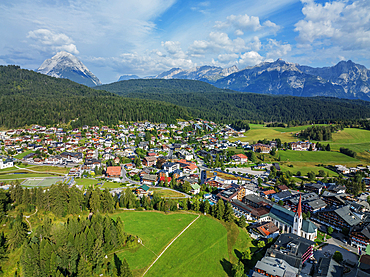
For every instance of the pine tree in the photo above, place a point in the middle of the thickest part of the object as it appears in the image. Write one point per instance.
(206, 207)
(18, 234)
(228, 216)
(84, 268)
(220, 209)
(95, 202)
(125, 269)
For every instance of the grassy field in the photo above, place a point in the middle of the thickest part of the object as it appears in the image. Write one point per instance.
(56, 169)
(167, 193)
(357, 140)
(316, 157)
(206, 246)
(86, 182)
(22, 176)
(25, 153)
(201, 249)
(306, 161)
(112, 185)
(259, 132)
(155, 230)
(211, 173)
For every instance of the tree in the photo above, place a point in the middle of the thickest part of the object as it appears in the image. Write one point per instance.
(311, 175)
(18, 234)
(253, 157)
(206, 207)
(338, 257)
(241, 222)
(237, 270)
(330, 230)
(95, 201)
(327, 148)
(322, 173)
(261, 244)
(220, 209)
(84, 268)
(246, 255)
(281, 202)
(345, 231)
(196, 205)
(228, 216)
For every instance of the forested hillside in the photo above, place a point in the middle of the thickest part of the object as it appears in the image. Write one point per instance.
(31, 98)
(28, 97)
(212, 103)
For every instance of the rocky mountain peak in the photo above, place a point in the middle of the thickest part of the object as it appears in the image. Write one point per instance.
(65, 65)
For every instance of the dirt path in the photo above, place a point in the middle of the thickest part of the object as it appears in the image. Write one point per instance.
(27, 217)
(170, 244)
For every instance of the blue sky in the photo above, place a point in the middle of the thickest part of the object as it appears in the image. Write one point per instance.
(147, 37)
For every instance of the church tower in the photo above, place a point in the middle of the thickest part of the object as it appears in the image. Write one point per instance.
(297, 224)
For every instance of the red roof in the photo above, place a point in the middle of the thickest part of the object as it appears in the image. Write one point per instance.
(113, 170)
(163, 178)
(268, 192)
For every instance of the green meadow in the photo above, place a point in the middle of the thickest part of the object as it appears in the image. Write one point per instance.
(206, 246)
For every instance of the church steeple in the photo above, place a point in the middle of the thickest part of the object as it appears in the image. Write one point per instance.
(299, 209)
(297, 224)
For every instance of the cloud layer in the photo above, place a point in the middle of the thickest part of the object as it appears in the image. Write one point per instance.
(146, 37)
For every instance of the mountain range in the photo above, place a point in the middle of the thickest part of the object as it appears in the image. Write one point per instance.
(65, 65)
(344, 80)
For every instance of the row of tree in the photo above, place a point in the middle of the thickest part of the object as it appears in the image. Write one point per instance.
(320, 133)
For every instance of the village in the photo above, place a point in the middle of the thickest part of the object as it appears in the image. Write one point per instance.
(309, 223)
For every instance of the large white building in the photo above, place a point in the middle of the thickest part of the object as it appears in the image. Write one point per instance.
(8, 162)
(290, 222)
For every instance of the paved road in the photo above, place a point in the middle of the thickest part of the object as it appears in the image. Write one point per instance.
(125, 179)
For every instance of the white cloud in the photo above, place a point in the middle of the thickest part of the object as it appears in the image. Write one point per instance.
(239, 33)
(276, 49)
(174, 49)
(241, 22)
(250, 58)
(255, 44)
(343, 23)
(227, 58)
(47, 40)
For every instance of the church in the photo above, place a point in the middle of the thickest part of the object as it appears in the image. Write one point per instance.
(290, 222)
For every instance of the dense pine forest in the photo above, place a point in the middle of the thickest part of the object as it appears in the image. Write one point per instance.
(28, 98)
(209, 102)
(72, 233)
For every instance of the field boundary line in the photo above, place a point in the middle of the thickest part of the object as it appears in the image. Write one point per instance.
(170, 244)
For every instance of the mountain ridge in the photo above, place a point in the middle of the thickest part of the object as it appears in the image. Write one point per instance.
(346, 79)
(65, 65)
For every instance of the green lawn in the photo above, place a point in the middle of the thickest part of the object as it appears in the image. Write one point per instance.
(200, 251)
(306, 161)
(316, 157)
(155, 230)
(204, 249)
(167, 193)
(87, 182)
(23, 154)
(357, 140)
(22, 176)
(112, 185)
(259, 132)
